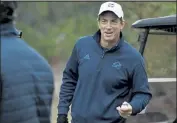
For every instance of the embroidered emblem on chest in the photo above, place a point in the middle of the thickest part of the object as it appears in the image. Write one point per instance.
(116, 65)
(87, 57)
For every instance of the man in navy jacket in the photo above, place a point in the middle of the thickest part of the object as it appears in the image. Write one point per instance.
(105, 78)
(26, 81)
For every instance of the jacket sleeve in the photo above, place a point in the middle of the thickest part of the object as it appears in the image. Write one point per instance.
(0, 89)
(141, 94)
(70, 77)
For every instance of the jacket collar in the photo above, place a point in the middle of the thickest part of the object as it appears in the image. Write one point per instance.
(97, 37)
(9, 29)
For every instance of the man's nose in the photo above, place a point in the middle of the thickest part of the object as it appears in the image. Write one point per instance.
(108, 25)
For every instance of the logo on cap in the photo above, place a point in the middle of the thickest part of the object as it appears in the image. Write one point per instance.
(111, 5)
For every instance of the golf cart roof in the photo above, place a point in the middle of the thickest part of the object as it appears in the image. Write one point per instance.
(165, 23)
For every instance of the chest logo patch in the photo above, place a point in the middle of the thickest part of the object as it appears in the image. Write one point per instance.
(116, 65)
(87, 57)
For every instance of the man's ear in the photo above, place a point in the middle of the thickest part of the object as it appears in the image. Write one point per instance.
(98, 22)
(122, 25)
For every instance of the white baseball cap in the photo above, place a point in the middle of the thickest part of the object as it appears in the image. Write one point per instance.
(113, 7)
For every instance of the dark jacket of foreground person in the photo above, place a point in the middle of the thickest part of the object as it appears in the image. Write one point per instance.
(26, 86)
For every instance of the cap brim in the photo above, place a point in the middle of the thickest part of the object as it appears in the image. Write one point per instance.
(108, 11)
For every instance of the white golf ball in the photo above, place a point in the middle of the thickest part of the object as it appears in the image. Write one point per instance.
(124, 107)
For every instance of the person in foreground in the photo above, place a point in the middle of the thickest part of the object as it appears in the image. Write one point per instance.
(105, 79)
(26, 81)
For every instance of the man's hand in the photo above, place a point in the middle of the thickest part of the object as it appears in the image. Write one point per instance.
(62, 118)
(125, 110)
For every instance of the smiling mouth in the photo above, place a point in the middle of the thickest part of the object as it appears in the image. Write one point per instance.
(108, 33)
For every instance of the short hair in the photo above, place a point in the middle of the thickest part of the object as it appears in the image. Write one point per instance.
(7, 9)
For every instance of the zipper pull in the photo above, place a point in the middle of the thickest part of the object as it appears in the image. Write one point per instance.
(103, 55)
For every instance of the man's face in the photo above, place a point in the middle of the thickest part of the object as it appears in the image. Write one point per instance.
(110, 26)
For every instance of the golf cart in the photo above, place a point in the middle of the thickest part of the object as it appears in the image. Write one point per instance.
(162, 25)
(165, 25)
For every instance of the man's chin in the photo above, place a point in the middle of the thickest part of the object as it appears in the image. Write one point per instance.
(109, 39)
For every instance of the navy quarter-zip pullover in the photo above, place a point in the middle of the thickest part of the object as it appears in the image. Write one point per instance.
(96, 81)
